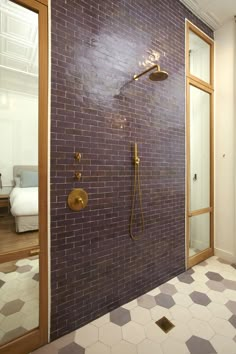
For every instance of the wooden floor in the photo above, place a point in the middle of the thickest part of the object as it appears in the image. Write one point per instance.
(12, 241)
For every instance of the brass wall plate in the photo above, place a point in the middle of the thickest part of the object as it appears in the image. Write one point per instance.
(77, 156)
(77, 199)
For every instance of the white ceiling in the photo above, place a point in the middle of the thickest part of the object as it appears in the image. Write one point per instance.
(213, 12)
(18, 38)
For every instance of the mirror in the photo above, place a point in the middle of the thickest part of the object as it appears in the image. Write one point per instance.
(19, 227)
(199, 149)
(199, 233)
(199, 57)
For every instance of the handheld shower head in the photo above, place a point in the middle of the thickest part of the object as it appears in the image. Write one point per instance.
(157, 75)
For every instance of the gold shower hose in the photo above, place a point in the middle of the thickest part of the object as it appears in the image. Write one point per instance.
(136, 186)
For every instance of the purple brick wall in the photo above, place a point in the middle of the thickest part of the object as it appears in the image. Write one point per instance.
(96, 110)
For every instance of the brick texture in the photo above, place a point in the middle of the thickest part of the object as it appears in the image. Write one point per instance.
(97, 110)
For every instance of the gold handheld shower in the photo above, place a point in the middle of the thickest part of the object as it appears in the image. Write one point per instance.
(137, 188)
(157, 75)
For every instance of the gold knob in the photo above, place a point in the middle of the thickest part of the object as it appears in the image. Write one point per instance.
(77, 199)
(78, 175)
(77, 156)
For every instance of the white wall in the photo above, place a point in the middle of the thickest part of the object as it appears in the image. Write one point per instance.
(225, 61)
(18, 132)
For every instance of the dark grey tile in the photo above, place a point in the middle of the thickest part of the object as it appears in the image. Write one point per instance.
(169, 289)
(203, 264)
(232, 320)
(1, 283)
(164, 300)
(146, 301)
(200, 298)
(120, 316)
(185, 278)
(72, 348)
(214, 276)
(231, 305)
(190, 271)
(15, 333)
(12, 307)
(215, 285)
(197, 345)
(24, 269)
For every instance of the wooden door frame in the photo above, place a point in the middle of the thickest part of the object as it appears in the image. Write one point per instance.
(39, 336)
(192, 80)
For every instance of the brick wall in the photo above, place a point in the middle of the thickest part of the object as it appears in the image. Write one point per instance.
(98, 111)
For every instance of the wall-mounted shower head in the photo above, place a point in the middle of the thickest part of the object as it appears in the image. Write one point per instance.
(157, 75)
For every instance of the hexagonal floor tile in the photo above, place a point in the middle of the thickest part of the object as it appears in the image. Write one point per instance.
(232, 320)
(200, 298)
(200, 312)
(98, 348)
(181, 314)
(12, 307)
(185, 278)
(171, 345)
(223, 345)
(215, 285)
(120, 316)
(168, 289)
(222, 327)
(219, 310)
(229, 284)
(197, 345)
(133, 332)
(72, 348)
(110, 333)
(24, 269)
(201, 328)
(140, 315)
(86, 335)
(164, 300)
(154, 333)
(214, 276)
(231, 305)
(17, 332)
(146, 301)
(149, 347)
(124, 348)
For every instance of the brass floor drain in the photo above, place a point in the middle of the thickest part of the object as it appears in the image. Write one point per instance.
(165, 324)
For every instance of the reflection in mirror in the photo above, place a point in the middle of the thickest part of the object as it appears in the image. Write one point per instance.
(199, 57)
(19, 298)
(199, 233)
(18, 127)
(199, 149)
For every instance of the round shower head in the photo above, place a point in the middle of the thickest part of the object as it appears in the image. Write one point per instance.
(158, 75)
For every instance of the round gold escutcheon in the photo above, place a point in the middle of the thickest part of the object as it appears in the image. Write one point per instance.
(77, 199)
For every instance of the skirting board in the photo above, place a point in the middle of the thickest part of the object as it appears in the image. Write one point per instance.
(227, 256)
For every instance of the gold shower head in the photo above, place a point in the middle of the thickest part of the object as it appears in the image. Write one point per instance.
(157, 75)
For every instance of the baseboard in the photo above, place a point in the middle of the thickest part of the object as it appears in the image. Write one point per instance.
(227, 256)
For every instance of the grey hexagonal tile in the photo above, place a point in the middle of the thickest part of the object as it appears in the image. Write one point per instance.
(1, 283)
(190, 271)
(164, 300)
(197, 345)
(36, 277)
(231, 305)
(200, 298)
(229, 284)
(215, 285)
(24, 269)
(169, 289)
(120, 316)
(72, 348)
(203, 264)
(214, 276)
(185, 278)
(146, 301)
(12, 307)
(232, 320)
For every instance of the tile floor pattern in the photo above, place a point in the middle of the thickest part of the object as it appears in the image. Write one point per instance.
(19, 298)
(201, 303)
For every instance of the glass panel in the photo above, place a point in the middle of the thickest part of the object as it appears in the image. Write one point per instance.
(199, 149)
(19, 298)
(199, 233)
(199, 57)
(18, 127)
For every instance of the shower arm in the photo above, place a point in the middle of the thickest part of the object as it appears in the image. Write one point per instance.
(146, 71)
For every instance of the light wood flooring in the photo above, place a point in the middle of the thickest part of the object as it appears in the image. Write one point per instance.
(12, 241)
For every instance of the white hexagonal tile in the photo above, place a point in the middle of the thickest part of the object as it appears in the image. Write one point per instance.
(223, 345)
(86, 335)
(140, 315)
(101, 321)
(98, 348)
(219, 310)
(110, 334)
(180, 332)
(201, 328)
(200, 312)
(217, 297)
(180, 314)
(154, 292)
(133, 332)
(158, 312)
(182, 300)
(124, 348)
(222, 327)
(130, 305)
(149, 347)
(171, 345)
(154, 333)
(230, 294)
(184, 288)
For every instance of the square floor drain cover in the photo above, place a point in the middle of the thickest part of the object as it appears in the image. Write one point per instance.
(165, 324)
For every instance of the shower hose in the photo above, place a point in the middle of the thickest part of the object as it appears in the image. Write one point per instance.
(137, 189)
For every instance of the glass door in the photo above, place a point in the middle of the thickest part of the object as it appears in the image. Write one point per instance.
(23, 176)
(199, 146)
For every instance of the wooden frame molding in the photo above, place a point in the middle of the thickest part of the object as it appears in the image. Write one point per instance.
(192, 80)
(39, 336)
